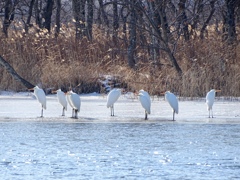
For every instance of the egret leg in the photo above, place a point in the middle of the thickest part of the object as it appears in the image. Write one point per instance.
(173, 115)
(145, 115)
(113, 110)
(72, 113)
(63, 111)
(76, 114)
(209, 113)
(42, 112)
(212, 113)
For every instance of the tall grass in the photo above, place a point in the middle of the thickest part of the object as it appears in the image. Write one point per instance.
(65, 63)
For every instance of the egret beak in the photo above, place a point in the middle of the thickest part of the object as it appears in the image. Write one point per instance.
(218, 90)
(31, 89)
(162, 93)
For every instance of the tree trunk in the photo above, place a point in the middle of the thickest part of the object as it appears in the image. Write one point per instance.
(38, 16)
(48, 15)
(208, 19)
(163, 19)
(132, 35)
(103, 13)
(153, 50)
(115, 22)
(76, 15)
(230, 21)
(89, 19)
(174, 61)
(124, 25)
(199, 5)
(182, 19)
(29, 16)
(8, 16)
(58, 17)
(79, 16)
(14, 74)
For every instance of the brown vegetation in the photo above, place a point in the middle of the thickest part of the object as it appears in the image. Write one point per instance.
(65, 62)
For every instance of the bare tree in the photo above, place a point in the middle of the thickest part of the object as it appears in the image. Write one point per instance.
(58, 17)
(8, 15)
(38, 15)
(89, 19)
(47, 14)
(30, 10)
(132, 34)
(13, 73)
(102, 14)
(212, 4)
(162, 33)
(115, 21)
(230, 21)
(182, 19)
(79, 16)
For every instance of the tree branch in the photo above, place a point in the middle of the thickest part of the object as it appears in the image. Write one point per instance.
(14, 74)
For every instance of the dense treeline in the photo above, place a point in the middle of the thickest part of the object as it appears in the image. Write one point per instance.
(185, 46)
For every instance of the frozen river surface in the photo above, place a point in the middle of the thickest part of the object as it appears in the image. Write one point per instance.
(97, 146)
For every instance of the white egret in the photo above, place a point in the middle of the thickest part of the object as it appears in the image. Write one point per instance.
(112, 97)
(75, 102)
(41, 97)
(173, 102)
(62, 100)
(144, 98)
(210, 100)
(145, 93)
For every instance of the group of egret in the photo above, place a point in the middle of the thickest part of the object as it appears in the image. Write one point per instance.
(145, 101)
(74, 100)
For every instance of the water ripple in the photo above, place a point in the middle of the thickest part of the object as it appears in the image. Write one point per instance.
(119, 151)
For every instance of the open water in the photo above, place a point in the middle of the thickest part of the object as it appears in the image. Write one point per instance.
(55, 150)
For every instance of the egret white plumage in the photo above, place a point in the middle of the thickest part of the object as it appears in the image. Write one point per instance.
(75, 102)
(173, 102)
(62, 100)
(112, 97)
(144, 98)
(210, 100)
(41, 97)
(145, 93)
(70, 102)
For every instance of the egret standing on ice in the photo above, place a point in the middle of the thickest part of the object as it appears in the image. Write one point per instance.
(173, 101)
(41, 97)
(112, 97)
(75, 102)
(144, 98)
(62, 100)
(210, 100)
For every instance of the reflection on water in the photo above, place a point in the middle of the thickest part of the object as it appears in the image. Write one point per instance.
(119, 150)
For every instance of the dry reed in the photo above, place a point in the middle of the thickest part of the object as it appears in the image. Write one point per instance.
(65, 62)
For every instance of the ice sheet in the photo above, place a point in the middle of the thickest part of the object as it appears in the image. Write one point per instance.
(24, 107)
